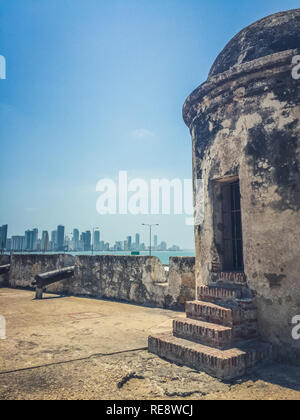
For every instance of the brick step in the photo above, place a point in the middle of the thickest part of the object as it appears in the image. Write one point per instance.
(216, 314)
(215, 334)
(218, 293)
(203, 332)
(223, 364)
(242, 318)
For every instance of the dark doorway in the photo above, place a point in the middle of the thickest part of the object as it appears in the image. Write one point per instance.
(232, 232)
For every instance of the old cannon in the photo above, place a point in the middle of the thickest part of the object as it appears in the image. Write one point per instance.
(45, 279)
(4, 269)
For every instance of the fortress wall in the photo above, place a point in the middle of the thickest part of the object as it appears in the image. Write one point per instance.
(135, 279)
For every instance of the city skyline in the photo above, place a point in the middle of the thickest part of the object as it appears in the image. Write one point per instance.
(106, 97)
(58, 240)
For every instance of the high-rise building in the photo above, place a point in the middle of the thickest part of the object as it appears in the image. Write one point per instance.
(45, 241)
(82, 241)
(75, 240)
(18, 243)
(85, 239)
(3, 237)
(54, 240)
(8, 244)
(38, 245)
(88, 240)
(35, 238)
(118, 246)
(67, 243)
(60, 238)
(137, 242)
(29, 240)
(96, 240)
(163, 246)
(129, 243)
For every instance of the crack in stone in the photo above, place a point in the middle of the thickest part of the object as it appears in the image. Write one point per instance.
(184, 394)
(127, 378)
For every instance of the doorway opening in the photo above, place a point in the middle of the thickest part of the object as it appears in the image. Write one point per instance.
(233, 259)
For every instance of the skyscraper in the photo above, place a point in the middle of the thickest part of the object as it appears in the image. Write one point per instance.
(96, 240)
(17, 243)
(75, 239)
(29, 240)
(54, 240)
(60, 237)
(35, 234)
(129, 243)
(85, 238)
(137, 241)
(88, 240)
(163, 246)
(45, 241)
(8, 244)
(3, 237)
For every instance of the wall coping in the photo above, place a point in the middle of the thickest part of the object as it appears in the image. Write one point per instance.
(281, 61)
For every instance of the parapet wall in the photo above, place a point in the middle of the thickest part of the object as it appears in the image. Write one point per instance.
(4, 259)
(136, 279)
(24, 267)
(181, 281)
(4, 278)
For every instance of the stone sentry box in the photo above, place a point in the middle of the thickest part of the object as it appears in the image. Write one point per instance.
(245, 127)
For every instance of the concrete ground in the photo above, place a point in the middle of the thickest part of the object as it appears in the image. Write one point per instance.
(79, 348)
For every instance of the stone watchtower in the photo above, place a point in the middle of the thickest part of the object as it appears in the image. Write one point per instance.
(245, 127)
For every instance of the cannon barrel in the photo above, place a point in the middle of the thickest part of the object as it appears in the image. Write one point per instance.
(45, 279)
(4, 268)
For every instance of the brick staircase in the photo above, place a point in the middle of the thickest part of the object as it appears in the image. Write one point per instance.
(219, 335)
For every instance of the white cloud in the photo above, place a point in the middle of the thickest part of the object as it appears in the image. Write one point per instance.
(142, 133)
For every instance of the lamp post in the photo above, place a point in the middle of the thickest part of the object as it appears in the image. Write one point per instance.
(93, 238)
(150, 229)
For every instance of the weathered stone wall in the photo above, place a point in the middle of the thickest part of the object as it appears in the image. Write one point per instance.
(4, 259)
(182, 285)
(24, 267)
(245, 123)
(4, 278)
(127, 278)
(136, 279)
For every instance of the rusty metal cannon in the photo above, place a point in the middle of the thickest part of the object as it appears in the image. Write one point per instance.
(4, 269)
(45, 279)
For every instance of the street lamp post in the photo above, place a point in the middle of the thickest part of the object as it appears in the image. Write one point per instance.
(150, 230)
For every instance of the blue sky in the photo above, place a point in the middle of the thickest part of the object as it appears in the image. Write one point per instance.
(94, 87)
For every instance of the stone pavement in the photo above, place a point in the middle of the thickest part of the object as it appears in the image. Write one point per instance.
(77, 348)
